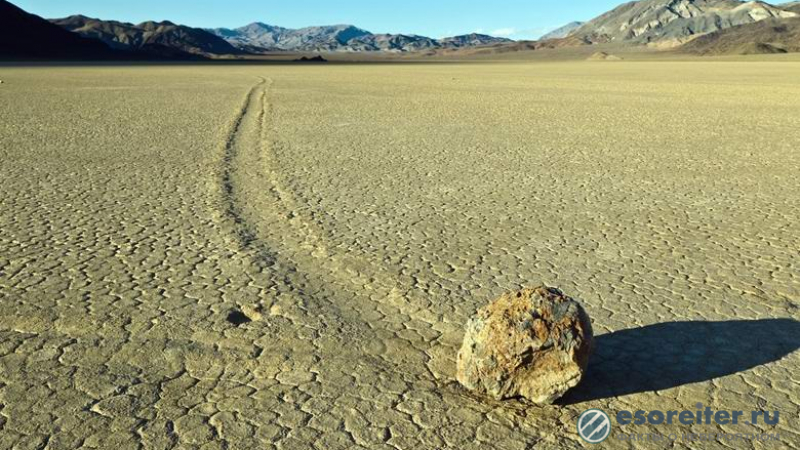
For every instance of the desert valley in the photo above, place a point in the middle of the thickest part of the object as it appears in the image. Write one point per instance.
(206, 242)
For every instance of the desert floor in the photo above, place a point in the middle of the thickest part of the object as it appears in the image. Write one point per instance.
(284, 257)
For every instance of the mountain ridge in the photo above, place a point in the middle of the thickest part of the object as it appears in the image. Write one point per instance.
(163, 38)
(28, 36)
(790, 6)
(763, 37)
(341, 38)
(563, 31)
(669, 23)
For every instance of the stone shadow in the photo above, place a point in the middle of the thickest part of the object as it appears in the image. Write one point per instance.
(668, 355)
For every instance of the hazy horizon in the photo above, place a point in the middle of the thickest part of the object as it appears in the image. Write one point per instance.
(516, 20)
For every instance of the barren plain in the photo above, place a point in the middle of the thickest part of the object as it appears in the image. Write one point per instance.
(222, 256)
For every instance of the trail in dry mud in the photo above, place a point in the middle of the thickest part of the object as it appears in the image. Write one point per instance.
(379, 339)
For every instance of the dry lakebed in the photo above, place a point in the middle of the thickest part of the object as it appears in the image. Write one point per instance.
(285, 256)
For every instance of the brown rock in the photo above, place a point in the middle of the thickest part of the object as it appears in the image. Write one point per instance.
(534, 343)
(603, 56)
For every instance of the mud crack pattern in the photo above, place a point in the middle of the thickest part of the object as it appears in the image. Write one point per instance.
(298, 276)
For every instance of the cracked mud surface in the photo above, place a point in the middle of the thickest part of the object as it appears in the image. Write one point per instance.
(284, 257)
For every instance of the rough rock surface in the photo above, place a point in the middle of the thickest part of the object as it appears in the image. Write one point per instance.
(603, 56)
(534, 343)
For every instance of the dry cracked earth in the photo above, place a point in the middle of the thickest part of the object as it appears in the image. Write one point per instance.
(283, 257)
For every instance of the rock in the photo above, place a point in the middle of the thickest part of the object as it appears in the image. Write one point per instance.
(603, 56)
(315, 59)
(253, 312)
(534, 343)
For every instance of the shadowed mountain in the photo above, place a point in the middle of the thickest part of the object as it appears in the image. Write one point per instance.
(161, 38)
(768, 36)
(668, 23)
(562, 32)
(668, 355)
(340, 38)
(472, 40)
(26, 36)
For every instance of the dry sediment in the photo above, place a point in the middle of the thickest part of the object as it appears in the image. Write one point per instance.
(177, 271)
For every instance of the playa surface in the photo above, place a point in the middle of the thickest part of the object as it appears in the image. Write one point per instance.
(284, 256)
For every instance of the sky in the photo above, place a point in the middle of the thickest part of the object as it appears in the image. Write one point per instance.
(515, 19)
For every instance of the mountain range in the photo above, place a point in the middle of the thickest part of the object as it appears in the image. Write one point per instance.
(695, 26)
(27, 36)
(340, 38)
(156, 38)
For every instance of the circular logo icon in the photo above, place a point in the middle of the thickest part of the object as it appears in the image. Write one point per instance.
(594, 426)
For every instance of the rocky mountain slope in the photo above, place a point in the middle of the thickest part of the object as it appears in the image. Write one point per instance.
(27, 36)
(562, 32)
(471, 40)
(272, 37)
(387, 42)
(791, 6)
(766, 36)
(162, 38)
(340, 38)
(667, 23)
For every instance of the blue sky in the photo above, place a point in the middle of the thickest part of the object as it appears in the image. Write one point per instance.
(517, 19)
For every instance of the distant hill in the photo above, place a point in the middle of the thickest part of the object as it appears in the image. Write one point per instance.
(766, 36)
(272, 37)
(471, 40)
(159, 38)
(340, 38)
(562, 32)
(26, 36)
(387, 43)
(667, 23)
